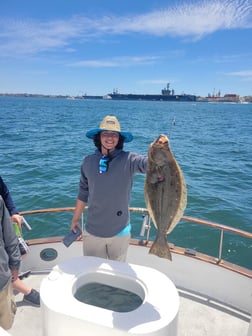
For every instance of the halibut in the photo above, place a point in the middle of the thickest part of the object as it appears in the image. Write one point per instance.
(165, 193)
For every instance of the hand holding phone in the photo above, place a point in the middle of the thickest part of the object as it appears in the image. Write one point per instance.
(71, 237)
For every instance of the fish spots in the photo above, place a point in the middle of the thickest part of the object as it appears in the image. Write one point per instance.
(160, 179)
(165, 193)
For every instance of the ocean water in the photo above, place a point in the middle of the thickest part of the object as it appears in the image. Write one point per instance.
(42, 143)
(108, 297)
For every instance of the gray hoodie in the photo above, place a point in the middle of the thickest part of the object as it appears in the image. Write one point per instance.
(9, 251)
(108, 194)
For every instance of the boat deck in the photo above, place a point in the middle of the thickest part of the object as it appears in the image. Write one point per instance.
(198, 316)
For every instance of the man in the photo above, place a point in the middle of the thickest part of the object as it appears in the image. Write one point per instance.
(105, 184)
(9, 267)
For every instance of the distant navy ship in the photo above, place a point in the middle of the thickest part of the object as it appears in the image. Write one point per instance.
(166, 95)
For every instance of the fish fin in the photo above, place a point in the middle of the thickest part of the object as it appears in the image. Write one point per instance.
(161, 248)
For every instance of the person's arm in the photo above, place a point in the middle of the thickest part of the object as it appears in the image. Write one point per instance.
(79, 208)
(82, 199)
(9, 203)
(10, 239)
(139, 163)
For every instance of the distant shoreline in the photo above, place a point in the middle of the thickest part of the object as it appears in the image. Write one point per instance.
(33, 95)
(217, 99)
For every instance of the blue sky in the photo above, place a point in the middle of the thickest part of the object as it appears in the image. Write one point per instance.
(136, 46)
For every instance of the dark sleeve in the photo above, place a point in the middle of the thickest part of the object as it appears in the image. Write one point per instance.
(9, 239)
(9, 203)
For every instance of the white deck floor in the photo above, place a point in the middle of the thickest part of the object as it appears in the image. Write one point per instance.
(197, 316)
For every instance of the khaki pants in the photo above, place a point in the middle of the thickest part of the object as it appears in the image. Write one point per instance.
(7, 307)
(114, 248)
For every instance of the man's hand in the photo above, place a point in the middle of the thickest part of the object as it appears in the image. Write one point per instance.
(17, 219)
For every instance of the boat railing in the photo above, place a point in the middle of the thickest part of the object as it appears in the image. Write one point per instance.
(147, 224)
(221, 227)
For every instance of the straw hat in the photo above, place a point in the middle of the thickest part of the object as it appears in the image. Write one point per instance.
(110, 123)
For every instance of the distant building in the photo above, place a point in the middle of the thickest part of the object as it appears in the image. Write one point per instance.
(227, 98)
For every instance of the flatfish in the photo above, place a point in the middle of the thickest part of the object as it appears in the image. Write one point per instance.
(165, 193)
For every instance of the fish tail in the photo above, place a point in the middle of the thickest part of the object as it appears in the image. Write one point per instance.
(161, 248)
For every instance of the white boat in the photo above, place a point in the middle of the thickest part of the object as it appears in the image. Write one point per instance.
(106, 97)
(215, 296)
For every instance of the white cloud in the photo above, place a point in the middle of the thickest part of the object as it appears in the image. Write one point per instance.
(195, 19)
(154, 81)
(192, 20)
(243, 74)
(32, 37)
(116, 62)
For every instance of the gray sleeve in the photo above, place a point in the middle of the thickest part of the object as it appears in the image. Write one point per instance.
(138, 163)
(83, 186)
(10, 253)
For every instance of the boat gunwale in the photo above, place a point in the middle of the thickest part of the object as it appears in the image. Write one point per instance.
(144, 210)
(147, 243)
(174, 249)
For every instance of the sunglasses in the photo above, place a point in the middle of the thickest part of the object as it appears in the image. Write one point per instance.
(103, 164)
